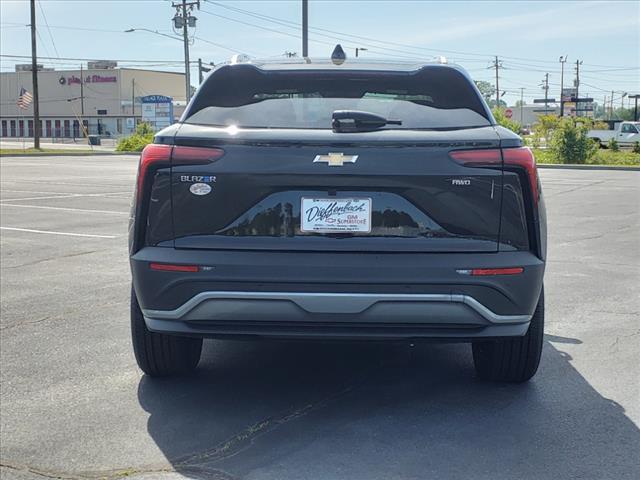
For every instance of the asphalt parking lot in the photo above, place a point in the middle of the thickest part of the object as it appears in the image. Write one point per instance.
(74, 405)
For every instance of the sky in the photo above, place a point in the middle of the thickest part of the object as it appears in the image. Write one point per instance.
(529, 37)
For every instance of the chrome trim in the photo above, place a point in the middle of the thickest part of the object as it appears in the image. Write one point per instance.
(335, 303)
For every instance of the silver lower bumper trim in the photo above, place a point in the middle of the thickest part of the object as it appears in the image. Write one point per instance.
(242, 304)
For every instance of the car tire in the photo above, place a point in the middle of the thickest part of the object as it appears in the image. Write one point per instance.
(160, 355)
(514, 359)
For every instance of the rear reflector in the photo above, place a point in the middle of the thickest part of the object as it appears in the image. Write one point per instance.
(477, 158)
(491, 271)
(169, 267)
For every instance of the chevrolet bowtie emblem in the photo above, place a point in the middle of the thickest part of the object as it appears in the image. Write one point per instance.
(335, 159)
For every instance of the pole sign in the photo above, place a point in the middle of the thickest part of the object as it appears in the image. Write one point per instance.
(157, 110)
(508, 113)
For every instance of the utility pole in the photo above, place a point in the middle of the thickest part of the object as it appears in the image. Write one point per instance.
(545, 87)
(81, 91)
(604, 108)
(578, 63)
(184, 20)
(611, 105)
(305, 28)
(34, 77)
(497, 65)
(521, 104)
(635, 108)
(202, 69)
(133, 99)
(563, 60)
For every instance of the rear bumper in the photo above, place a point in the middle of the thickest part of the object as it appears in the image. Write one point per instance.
(322, 295)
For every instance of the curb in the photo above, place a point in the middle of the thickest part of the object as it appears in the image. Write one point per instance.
(622, 168)
(70, 154)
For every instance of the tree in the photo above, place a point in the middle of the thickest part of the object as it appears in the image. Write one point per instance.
(569, 141)
(520, 103)
(486, 89)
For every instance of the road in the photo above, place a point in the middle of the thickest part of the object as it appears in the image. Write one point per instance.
(74, 404)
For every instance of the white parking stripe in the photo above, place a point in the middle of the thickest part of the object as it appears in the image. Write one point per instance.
(30, 230)
(69, 209)
(69, 195)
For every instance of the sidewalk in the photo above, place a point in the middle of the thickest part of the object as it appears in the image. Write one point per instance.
(108, 145)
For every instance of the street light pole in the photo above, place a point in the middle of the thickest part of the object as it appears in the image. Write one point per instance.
(185, 39)
(305, 28)
(563, 60)
(360, 49)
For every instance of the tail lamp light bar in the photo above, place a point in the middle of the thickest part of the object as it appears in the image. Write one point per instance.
(171, 267)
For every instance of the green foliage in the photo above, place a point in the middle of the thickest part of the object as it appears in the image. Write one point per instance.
(144, 129)
(569, 141)
(602, 157)
(502, 119)
(137, 141)
(612, 145)
(636, 147)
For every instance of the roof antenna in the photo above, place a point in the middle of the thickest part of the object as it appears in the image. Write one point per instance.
(338, 56)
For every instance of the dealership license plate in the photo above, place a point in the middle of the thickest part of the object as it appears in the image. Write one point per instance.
(335, 215)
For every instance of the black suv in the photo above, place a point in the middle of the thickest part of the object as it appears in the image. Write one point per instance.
(338, 200)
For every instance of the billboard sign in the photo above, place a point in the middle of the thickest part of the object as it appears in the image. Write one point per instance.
(157, 110)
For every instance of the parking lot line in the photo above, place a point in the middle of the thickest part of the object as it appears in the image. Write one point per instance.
(68, 209)
(68, 234)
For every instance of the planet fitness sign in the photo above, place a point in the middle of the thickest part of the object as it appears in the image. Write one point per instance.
(73, 80)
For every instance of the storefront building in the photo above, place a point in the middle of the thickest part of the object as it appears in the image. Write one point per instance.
(95, 101)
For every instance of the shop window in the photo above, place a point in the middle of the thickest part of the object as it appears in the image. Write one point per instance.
(57, 131)
(4, 128)
(21, 128)
(30, 128)
(76, 129)
(48, 128)
(67, 128)
(12, 123)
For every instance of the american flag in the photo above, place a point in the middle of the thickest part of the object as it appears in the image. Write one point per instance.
(24, 99)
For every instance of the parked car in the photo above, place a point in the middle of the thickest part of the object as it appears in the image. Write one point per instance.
(625, 133)
(338, 200)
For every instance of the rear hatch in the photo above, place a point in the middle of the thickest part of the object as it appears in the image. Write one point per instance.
(282, 183)
(406, 192)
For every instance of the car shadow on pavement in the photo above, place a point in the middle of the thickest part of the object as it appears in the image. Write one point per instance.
(369, 411)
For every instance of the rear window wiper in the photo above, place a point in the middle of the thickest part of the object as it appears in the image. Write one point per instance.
(345, 121)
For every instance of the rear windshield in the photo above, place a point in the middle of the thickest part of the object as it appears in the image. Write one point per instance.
(245, 96)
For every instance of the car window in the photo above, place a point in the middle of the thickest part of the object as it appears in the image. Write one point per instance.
(244, 96)
(629, 128)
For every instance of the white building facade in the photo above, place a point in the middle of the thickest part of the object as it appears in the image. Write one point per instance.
(74, 103)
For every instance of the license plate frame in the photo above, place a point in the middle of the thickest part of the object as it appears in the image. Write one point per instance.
(335, 215)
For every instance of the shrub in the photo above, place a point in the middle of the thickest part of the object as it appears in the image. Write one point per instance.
(612, 144)
(636, 147)
(569, 141)
(502, 119)
(137, 141)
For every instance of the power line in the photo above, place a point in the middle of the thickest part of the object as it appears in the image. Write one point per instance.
(48, 29)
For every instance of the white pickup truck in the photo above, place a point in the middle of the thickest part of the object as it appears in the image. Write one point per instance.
(625, 133)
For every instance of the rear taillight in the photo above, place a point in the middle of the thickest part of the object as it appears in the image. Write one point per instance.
(153, 154)
(518, 157)
(195, 155)
(523, 157)
(477, 158)
(158, 155)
